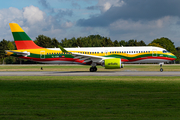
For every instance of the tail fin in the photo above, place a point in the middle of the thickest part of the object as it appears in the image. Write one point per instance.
(21, 39)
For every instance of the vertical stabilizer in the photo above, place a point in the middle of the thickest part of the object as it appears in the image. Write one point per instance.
(21, 39)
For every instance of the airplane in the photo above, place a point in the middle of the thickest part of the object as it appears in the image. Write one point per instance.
(108, 57)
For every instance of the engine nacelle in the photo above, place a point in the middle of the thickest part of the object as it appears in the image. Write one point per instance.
(114, 63)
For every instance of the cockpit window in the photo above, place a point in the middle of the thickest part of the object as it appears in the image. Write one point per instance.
(165, 51)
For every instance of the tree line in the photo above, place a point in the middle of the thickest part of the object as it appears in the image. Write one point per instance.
(90, 41)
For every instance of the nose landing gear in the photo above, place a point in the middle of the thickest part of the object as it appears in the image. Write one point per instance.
(161, 69)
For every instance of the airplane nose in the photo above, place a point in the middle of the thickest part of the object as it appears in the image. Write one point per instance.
(174, 57)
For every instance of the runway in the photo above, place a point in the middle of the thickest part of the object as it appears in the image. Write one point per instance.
(86, 73)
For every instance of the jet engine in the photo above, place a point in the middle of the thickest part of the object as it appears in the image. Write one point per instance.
(114, 63)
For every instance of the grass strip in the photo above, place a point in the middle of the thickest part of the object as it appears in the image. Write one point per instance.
(91, 97)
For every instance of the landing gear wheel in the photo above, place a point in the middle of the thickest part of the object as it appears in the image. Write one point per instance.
(93, 69)
(161, 70)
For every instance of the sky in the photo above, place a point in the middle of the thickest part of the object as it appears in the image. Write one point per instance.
(118, 19)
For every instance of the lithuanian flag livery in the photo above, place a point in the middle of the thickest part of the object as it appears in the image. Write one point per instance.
(22, 40)
(109, 57)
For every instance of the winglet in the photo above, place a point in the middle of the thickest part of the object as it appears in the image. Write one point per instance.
(62, 49)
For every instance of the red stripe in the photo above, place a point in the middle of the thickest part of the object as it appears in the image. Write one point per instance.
(124, 60)
(150, 57)
(81, 61)
(29, 44)
(49, 59)
(54, 59)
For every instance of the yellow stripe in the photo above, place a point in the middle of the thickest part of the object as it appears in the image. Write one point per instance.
(15, 27)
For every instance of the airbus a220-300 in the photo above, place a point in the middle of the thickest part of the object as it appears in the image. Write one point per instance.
(109, 57)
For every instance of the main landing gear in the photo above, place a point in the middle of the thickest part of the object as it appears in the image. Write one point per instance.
(93, 68)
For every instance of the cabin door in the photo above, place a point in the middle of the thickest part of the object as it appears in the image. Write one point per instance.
(154, 53)
(42, 54)
(106, 52)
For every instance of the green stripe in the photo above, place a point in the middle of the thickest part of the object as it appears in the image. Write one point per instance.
(135, 57)
(19, 36)
(46, 56)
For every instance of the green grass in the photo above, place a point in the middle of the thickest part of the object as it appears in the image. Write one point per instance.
(89, 98)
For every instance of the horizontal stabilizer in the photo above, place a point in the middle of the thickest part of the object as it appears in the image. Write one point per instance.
(25, 53)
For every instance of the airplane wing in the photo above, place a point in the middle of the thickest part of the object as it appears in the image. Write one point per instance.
(25, 53)
(86, 57)
(89, 58)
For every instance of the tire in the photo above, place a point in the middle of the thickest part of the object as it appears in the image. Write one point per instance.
(161, 70)
(95, 69)
(91, 69)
